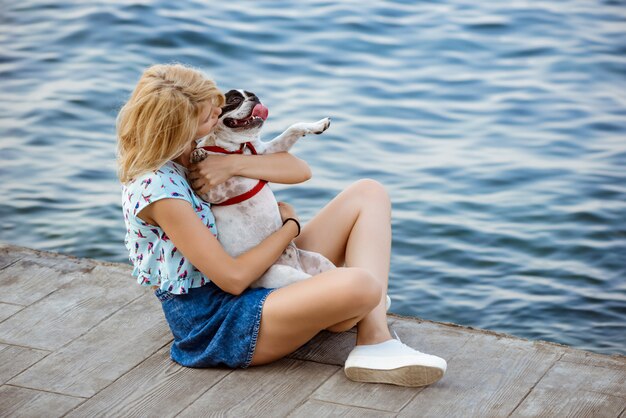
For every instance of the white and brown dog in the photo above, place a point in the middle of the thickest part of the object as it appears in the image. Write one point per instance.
(246, 211)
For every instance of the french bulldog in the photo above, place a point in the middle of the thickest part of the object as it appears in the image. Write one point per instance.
(246, 211)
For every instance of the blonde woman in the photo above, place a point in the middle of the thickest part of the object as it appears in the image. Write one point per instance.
(215, 318)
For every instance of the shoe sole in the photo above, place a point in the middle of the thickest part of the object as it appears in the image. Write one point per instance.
(411, 376)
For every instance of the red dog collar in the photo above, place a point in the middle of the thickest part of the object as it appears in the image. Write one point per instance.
(250, 193)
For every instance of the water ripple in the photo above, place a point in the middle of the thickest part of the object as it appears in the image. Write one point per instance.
(497, 128)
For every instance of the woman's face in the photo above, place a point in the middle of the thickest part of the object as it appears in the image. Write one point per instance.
(208, 119)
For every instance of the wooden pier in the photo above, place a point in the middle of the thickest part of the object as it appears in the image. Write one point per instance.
(79, 337)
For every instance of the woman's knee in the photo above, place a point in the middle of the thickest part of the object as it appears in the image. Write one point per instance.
(372, 191)
(360, 293)
(362, 289)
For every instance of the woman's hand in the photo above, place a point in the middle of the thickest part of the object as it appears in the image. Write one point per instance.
(286, 211)
(210, 172)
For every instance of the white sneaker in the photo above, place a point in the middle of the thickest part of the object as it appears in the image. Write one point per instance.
(395, 363)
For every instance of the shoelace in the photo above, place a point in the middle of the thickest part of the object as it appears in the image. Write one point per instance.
(406, 346)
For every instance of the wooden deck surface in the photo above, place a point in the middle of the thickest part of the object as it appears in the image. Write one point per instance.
(79, 337)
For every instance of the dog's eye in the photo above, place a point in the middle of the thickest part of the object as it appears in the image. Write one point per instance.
(234, 100)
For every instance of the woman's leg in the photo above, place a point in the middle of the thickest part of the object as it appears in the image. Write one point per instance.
(353, 229)
(335, 300)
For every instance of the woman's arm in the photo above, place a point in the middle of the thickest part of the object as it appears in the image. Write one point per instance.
(280, 167)
(198, 245)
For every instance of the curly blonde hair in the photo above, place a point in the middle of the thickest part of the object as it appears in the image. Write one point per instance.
(161, 117)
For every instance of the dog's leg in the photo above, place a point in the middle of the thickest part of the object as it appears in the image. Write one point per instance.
(314, 263)
(285, 141)
(280, 275)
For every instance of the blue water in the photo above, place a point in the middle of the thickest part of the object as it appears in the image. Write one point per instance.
(498, 128)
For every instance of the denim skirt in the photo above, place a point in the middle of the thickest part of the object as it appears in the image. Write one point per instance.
(212, 327)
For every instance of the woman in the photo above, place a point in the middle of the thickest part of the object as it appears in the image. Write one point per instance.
(216, 319)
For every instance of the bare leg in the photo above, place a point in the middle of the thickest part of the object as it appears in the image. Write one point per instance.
(355, 229)
(335, 300)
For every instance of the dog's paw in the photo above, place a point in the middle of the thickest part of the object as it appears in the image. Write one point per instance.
(198, 155)
(320, 126)
(305, 128)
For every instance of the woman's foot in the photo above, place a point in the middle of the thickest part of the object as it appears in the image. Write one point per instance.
(395, 363)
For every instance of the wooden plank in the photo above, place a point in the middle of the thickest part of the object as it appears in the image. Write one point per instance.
(14, 252)
(331, 348)
(270, 390)
(431, 337)
(94, 360)
(319, 409)
(7, 310)
(577, 390)
(428, 337)
(38, 274)
(157, 387)
(7, 258)
(21, 402)
(9, 254)
(327, 347)
(592, 359)
(121, 359)
(70, 311)
(14, 360)
(488, 377)
(338, 389)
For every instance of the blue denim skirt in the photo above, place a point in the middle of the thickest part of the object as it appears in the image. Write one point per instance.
(213, 328)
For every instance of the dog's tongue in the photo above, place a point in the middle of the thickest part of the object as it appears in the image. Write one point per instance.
(260, 111)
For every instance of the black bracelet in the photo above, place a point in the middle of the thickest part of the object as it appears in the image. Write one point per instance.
(297, 223)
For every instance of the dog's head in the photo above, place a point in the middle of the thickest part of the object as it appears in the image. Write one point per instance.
(241, 120)
(243, 111)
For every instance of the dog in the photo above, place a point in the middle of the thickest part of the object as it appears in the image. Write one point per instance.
(246, 211)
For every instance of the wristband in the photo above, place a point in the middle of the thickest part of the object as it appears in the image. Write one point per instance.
(297, 223)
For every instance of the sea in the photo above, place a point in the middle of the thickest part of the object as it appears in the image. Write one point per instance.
(498, 129)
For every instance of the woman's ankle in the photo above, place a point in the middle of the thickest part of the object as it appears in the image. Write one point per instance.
(373, 328)
(372, 337)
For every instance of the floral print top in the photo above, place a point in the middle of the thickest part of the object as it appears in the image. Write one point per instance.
(156, 261)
